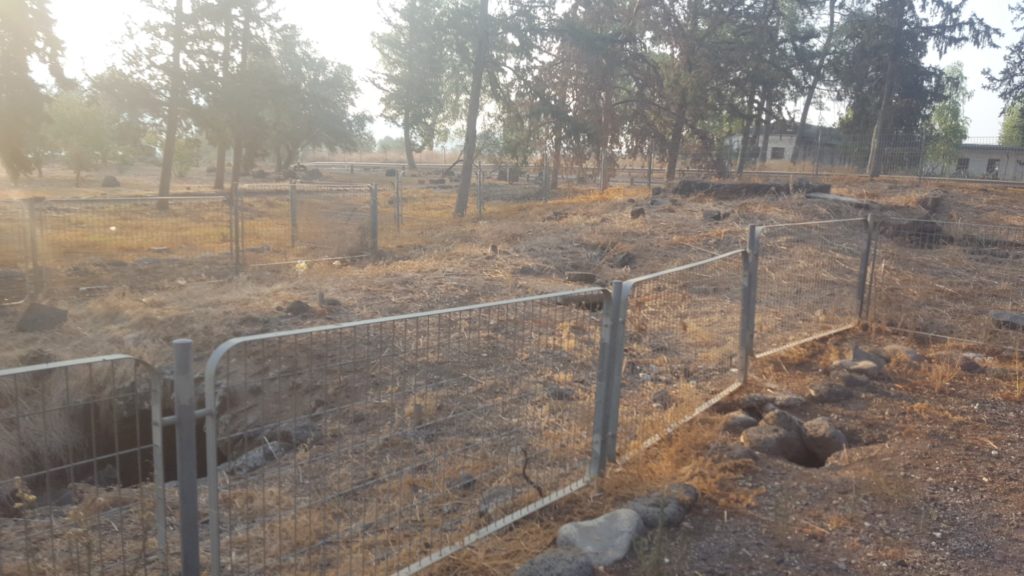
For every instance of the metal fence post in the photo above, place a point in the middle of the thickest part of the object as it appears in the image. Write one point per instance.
(294, 207)
(188, 476)
(156, 423)
(865, 265)
(235, 203)
(618, 357)
(374, 206)
(398, 202)
(601, 446)
(34, 231)
(748, 315)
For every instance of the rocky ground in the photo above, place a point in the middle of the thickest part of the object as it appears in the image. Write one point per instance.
(906, 465)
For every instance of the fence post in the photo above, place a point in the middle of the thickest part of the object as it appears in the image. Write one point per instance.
(749, 304)
(294, 208)
(924, 152)
(398, 202)
(156, 400)
(865, 265)
(605, 397)
(235, 203)
(188, 476)
(480, 190)
(34, 232)
(374, 192)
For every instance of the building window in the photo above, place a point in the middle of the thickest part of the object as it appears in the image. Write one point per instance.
(993, 167)
(962, 165)
(778, 153)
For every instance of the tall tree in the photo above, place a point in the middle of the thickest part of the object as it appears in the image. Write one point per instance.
(948, 125)
(1009, 82)
(481, 55)
(80, 127)
(176, 88)
(26, 35)
(817, 75)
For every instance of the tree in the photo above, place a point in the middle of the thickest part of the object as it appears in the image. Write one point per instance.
(1009, 83)
(80, 129)
(187, 154)
(481, 56)
(939, 24)
(1011, 133)
(947, 129)
(26, 35)
(420, 78)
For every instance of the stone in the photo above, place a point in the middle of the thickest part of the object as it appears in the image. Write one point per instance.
(786, 400)
(865, 367)
(604, 540)
(738, 421)
(624, 260)
(849, 379)
(637, 212)
(256, 458)
(110, 182)
(898, 351)
(875, 356)
(581, 277)
(686, 494)
(829, 392)
(658, 511)
(297, 308)
(783, 420)
(40, 317)
(561, 393)
(557, 563)
(775, 441)
(715, 215)
(822, 438)
(1007, 320)
(970, 365)
(729, 451)
(663, 399)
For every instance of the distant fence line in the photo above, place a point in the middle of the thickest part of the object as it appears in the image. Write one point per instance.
(384, 446)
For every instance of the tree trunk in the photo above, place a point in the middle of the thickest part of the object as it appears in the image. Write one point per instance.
(745, 139)
(171, 121)
(222, 161)
(410, 158)
(766, 141)
(818, 72)
(874, 168)
(675, 143)
(473, 111)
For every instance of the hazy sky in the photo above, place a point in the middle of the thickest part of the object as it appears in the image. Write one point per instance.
(342, 31)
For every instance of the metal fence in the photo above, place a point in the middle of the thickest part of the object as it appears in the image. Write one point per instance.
(150, 242)
(370, 447)
(384, 446)
(77, 487)
(950, 280)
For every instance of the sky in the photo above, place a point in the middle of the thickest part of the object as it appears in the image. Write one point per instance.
(342, 31)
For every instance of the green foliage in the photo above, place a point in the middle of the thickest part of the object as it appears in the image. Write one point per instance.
(188, 152)
(948, 126)
(1011, 133)
(1009, 82)
(26, 35)
(80, 130)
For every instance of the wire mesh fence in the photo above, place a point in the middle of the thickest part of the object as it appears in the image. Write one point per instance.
(810, 280)
(368, 447)
(680, 348)
(77, 490)
(15, 253)
(137, 242)
(950, 279)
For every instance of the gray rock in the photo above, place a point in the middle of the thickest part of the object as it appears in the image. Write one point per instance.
(1008, 320)
(738, 421)
(865, 367)
(829, 392)
(685, 494)
(658, 511)
(637, 212)
(897, 350)
(786, 400)
(561, 393)
(40, 317)
(624, 260)
(784, 420)
(822, 438)
(728, 451)
(875, 356)
(775, 441)
(557, 563)
(256, 458)
(849, 379)
(297, 308)
(970, 365)
(715, 215)
(110, 182)
(604, 540)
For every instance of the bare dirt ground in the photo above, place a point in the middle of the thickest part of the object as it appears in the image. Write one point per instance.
(927, 486)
